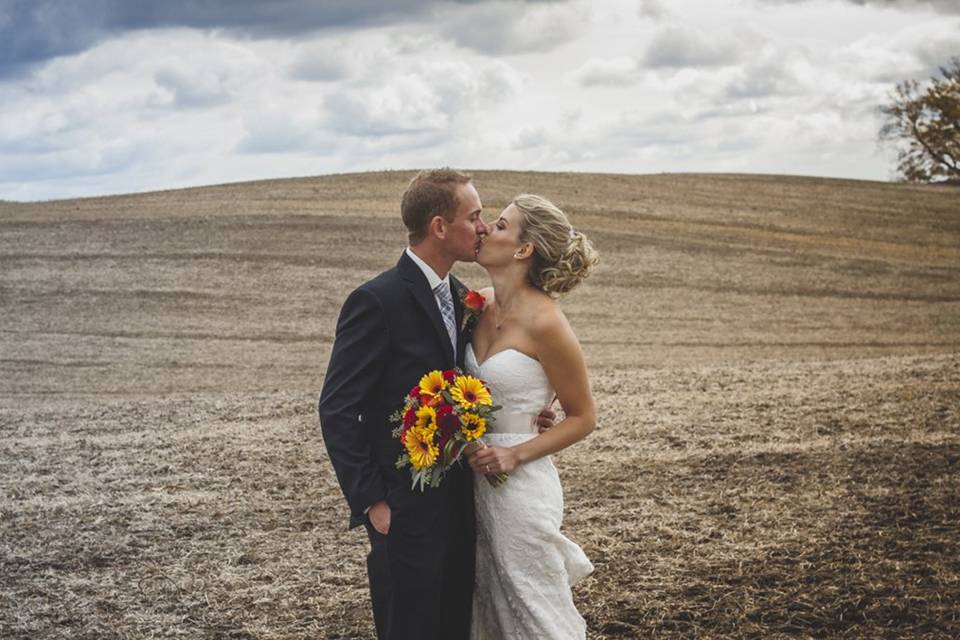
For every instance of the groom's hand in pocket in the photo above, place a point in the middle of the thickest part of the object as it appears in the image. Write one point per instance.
(379, 515)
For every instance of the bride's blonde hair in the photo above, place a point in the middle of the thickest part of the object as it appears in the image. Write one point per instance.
(562, 256)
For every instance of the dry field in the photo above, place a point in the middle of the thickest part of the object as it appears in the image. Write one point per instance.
(776, 362)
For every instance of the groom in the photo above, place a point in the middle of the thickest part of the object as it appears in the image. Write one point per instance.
(391, 331)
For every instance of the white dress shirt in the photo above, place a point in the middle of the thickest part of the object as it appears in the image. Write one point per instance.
(432, 278)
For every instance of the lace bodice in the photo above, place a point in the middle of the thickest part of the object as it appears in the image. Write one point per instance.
(518, 384)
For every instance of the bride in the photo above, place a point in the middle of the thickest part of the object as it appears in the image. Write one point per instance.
(524, 348)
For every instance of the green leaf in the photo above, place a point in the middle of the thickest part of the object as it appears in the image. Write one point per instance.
(448, 451)
(453, 443)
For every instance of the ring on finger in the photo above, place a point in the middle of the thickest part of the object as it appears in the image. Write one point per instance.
(486, 468)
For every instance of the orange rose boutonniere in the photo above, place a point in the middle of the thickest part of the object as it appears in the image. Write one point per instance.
(473, 304)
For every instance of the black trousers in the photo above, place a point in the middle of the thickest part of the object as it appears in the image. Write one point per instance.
(421, 579)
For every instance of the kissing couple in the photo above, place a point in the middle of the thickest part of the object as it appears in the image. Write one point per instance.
(465, 559)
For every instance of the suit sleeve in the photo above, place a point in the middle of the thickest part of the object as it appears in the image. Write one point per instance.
(356, 361)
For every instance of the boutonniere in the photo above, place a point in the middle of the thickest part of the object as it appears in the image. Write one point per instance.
(473, 304)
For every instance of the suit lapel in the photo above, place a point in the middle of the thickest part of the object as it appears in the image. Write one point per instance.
(420, 288)
(459, 291)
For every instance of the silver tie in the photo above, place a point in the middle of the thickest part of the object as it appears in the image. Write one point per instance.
(446, 310)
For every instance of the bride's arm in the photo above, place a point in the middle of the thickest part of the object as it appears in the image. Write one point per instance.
(562, 358)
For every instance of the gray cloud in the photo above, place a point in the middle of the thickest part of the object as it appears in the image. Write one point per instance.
(394, 111)
(636, 129)
(55, 164)
(397, 104)
(500, 28)
(763, 79)
(944, 6)
(279, 133)
(194, 88)
(529, 137)
(652, 9)
(426, 98)
(675, 47)
(161, 99)
(936, 53)
(32, 31)
(615, 72)
(319, 67)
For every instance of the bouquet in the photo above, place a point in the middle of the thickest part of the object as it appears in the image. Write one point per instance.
(443, 415)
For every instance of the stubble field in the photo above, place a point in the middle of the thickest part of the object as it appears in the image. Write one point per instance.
(776, 363)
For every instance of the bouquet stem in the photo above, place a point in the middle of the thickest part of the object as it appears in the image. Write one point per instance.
(495, 479)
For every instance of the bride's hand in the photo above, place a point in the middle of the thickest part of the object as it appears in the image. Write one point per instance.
(491, 460)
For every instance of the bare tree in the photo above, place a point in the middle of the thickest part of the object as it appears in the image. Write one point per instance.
(924, 123)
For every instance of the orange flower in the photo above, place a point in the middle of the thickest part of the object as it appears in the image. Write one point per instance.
(470, 392)
(473, 304)
(474, 301)
(431, 384)
(427, 419)
(421, 448)
(473, 426)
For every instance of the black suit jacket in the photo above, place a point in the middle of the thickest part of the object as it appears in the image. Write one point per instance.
(390, 332)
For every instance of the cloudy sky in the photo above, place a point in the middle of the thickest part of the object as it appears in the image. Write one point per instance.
(111, 96)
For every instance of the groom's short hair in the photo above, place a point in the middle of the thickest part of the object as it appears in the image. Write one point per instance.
(431, 193)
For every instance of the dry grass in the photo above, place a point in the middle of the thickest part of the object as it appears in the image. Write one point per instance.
(775, 361)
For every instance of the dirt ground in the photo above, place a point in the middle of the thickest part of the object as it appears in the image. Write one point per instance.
(776, 363)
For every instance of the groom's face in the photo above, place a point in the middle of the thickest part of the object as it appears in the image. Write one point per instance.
(467, 229)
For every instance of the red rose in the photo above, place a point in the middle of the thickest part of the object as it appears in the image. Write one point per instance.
(414, 392)
(474, 301)
(448, 421)
(450, 375)
(409, 418)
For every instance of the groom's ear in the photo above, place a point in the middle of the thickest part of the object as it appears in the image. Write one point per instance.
(437, 227)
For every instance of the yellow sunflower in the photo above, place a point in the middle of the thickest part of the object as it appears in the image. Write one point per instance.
(431, 384)
(473, 426)
(426, 419)
(470, 392)
(423, 452)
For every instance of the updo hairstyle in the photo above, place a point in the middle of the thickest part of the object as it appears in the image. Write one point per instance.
(562, 256)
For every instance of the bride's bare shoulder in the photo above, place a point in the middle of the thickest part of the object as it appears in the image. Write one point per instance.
(556, 345)
(547, 319)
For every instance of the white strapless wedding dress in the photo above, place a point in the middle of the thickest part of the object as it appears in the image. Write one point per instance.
(525, 566)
